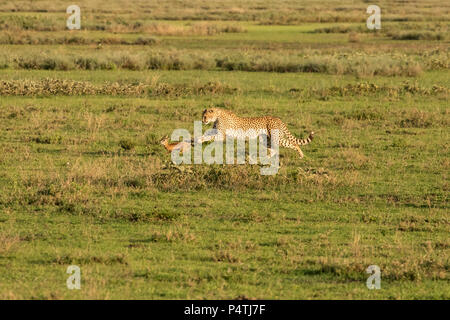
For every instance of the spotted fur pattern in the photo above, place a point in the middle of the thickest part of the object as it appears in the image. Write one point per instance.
(229, 124)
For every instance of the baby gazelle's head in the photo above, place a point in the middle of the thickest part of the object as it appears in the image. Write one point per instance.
(164, 141)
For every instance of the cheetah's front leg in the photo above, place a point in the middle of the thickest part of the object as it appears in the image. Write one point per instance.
(210, 135)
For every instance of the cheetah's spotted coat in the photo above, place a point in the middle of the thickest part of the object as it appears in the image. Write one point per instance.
(228, 124)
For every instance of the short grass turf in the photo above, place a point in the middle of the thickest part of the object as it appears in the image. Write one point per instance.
(83, 180)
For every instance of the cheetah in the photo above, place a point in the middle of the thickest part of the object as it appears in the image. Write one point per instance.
(227, 123)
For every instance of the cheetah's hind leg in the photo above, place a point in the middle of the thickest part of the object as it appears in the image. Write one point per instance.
(268, 145)
(291, 145)
(299, 151)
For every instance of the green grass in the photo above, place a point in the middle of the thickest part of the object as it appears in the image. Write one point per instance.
(84, 181)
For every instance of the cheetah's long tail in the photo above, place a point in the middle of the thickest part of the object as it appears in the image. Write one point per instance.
(302, 142)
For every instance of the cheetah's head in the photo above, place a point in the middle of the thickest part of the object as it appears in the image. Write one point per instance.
(209, 115)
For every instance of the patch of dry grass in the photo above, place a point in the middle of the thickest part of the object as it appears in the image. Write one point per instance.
(8, 243)
(69, 87)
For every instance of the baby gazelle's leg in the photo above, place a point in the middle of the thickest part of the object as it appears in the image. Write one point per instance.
(183, 146)
(186, 146)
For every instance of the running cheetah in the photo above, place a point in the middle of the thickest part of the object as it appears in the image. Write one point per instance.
(227, 123)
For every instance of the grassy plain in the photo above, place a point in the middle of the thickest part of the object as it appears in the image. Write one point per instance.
(83, 180)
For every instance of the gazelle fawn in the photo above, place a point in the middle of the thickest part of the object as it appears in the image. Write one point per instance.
(182, 146)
